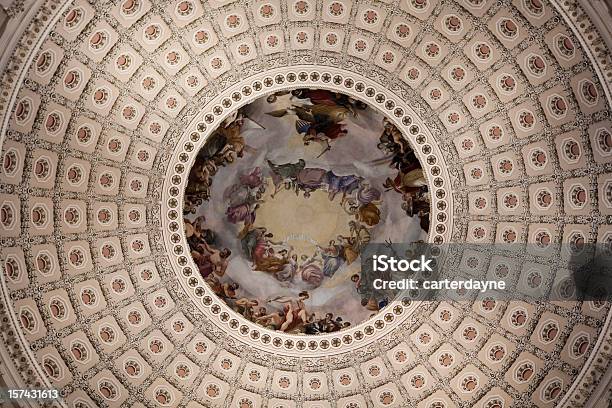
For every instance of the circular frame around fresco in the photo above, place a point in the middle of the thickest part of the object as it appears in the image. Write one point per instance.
(196, 134)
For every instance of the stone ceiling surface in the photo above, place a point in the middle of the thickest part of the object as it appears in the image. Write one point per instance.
(104, 105)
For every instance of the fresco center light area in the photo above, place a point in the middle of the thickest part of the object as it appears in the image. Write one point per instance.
(284, 196)
(303, 223)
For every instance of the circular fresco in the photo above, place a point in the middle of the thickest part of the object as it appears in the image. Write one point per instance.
(284, 196)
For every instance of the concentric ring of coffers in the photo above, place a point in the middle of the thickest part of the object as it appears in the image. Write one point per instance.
(104, 87)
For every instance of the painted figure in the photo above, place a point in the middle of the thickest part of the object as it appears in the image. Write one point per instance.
(341, 184)
(210, 260)
(310, 270)
(293, 308)
(333, 258)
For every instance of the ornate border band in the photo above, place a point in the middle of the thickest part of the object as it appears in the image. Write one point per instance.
(208, 120)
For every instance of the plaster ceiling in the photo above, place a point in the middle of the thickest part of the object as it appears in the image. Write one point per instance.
(105, 105)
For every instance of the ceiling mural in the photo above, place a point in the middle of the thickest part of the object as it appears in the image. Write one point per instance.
(284, 195)
(186, 187)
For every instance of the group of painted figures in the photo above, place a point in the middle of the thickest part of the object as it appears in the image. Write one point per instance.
(224, 146)
(410, 180)
(321, 121)
(283, 313)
